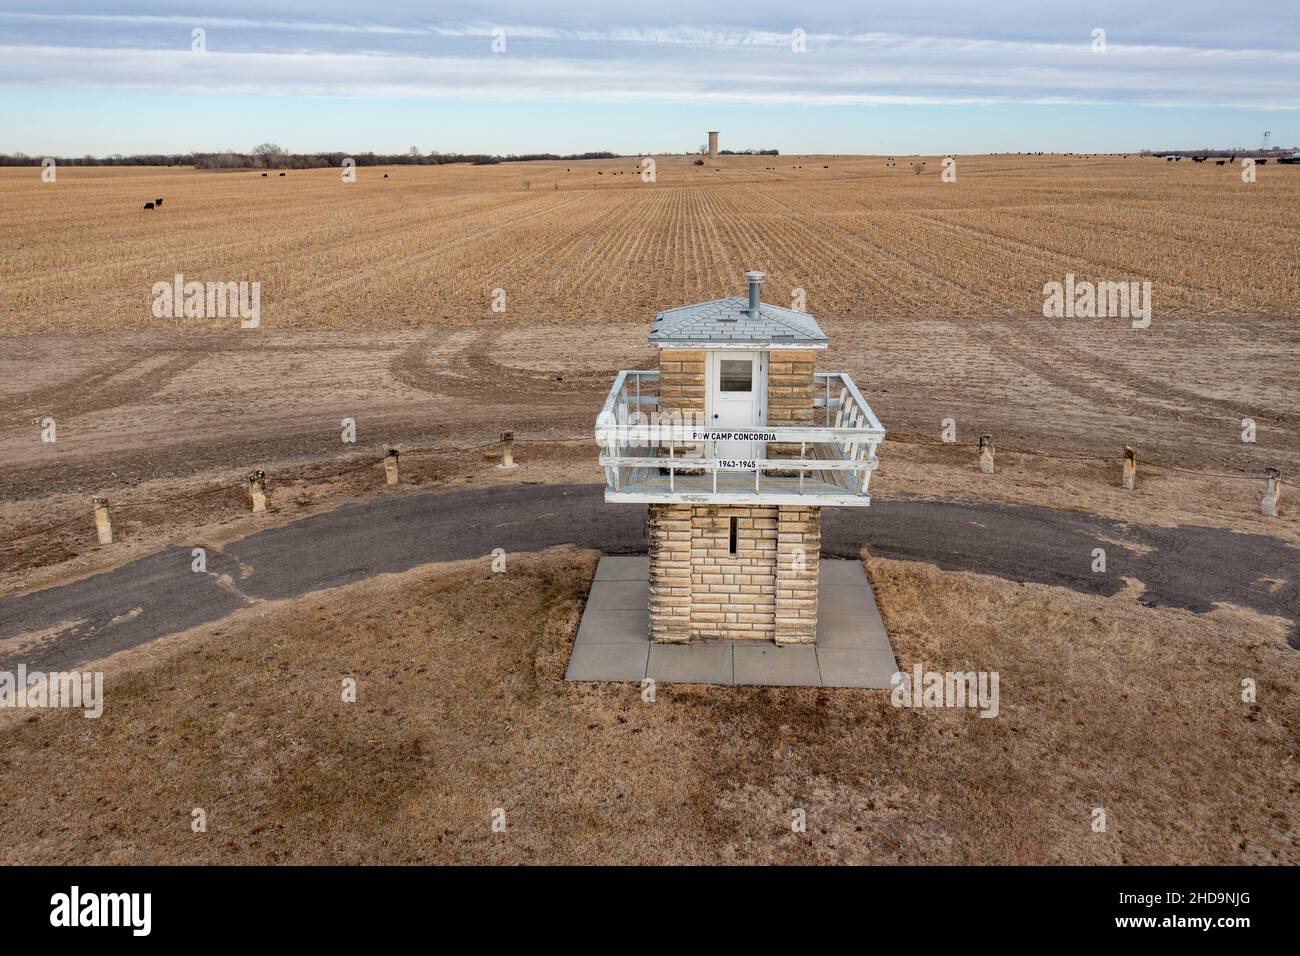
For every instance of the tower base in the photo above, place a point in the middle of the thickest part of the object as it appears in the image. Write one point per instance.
(741, 573)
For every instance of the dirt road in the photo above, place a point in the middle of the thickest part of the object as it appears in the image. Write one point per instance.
(134, 406)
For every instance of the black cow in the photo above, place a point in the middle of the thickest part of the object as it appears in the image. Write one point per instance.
(148, 205)
(282, 174)
(263, 175)
(157, 202)
(1219, 162)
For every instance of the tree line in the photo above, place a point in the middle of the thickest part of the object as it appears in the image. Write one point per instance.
(271, 156)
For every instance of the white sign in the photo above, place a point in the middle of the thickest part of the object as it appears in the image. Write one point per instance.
(733, 436)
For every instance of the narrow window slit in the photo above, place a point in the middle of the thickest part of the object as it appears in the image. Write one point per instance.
(731, 543)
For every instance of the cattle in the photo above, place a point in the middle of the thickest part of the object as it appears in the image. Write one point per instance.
(157, 202)
(1219, 162)
(263, 175)
(282, 174)
(148, 205)
(385, 175)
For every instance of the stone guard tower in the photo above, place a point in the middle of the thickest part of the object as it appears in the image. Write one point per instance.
(736, 443)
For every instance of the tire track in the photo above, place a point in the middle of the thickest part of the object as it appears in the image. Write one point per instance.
(101, 388)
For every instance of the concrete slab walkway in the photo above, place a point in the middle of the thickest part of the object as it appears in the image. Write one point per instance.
(613, 641)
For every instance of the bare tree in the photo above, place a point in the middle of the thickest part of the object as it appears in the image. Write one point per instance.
(268, 154)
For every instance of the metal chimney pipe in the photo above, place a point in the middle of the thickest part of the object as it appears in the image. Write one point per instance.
(755, 280)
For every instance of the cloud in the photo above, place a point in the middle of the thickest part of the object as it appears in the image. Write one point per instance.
(575, 58)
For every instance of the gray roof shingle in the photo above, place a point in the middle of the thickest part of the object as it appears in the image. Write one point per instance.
(727, 322)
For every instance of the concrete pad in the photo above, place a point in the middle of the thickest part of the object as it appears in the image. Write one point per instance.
(620, 596)
(608, 662)
(613, 641)
(616, 567)
(690, 663)
(835, 571)
(614, 627)
(853, 667)
(769, 665)
(848, 617)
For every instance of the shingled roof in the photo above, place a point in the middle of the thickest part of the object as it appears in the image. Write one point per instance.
(726, 323)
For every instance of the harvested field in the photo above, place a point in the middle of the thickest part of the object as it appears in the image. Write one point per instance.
(589, 241)
(1104, 703)
(376, 307)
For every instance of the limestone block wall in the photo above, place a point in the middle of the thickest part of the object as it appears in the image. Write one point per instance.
(681, 394)
(669, 528)
(766, 590)
(799, 544)
(733, 595)
(681, 384)
(789, 395)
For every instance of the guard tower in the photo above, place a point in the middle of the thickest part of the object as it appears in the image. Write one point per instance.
(736, 442)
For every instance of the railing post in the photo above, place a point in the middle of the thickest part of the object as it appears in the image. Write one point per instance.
(103, 526)
(507, 450)
(1130, 468)
(1268, 504)
(257, 490)
(986, 454)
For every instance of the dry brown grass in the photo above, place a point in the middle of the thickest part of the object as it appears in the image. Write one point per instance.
(463, 708)
(589, 240)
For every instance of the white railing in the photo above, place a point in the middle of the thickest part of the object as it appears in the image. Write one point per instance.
(650, 456)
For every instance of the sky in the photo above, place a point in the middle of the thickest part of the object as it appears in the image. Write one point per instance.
(503, 76)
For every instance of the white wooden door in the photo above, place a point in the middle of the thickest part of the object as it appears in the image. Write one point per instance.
(735, 402)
